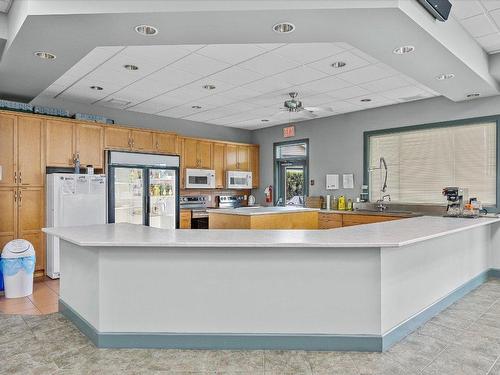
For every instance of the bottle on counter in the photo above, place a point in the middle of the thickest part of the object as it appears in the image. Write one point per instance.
(335, 203)
(341, 203)
(349, 205)
(328, 202)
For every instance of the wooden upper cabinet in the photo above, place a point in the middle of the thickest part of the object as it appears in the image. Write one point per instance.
(219, 164)
(8, 218)
(89, 144)
(30, 165)
(254, 151)
(196, 153)
(243, 158)
(190, 153)
(165, 143)
(59, 143)
(142, 140)
(117, 138)
(8, 149)
(205, 154)
(237, 158)
(231, 157)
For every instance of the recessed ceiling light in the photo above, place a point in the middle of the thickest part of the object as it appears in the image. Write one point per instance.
(473, 95)
(146, 30)
(339, 64)
(45, 55)
(264, 120)
(365, 100)
(209, 87)
(403, 50)
(284, 27)
(97, 88)
(131, 67)
(196, 107)
(444, 76)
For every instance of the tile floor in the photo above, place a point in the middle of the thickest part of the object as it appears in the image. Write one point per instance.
(462, 340)
(44, 299)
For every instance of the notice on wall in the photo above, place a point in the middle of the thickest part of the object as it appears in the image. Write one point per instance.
(289, 131)
(332, 181)
(348, 181)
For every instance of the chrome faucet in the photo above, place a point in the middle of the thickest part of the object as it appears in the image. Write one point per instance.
(380, 202)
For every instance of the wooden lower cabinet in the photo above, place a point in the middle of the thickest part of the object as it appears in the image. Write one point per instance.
(185, 219)
(329, 220)
(23, 217)
(295, 220)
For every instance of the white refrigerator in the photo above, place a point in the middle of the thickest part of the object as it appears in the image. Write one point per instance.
(72, 199)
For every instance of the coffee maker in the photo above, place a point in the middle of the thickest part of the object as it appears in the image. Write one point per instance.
(456, 197)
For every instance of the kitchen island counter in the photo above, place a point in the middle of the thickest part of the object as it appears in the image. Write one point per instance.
(355, 288)
(387, 234)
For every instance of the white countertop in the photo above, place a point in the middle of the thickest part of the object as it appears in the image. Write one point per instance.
(386, 234)
(252, 211)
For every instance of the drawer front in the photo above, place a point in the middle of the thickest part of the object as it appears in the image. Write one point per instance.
(349, 220)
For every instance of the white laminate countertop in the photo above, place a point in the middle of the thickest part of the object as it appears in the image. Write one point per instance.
(253, 211)
(386, 234)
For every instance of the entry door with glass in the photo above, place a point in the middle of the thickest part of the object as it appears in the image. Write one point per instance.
(292, 184)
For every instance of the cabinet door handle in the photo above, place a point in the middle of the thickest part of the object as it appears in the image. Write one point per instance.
(157, 145)
(20, 198)
(15, 196)
(20, 177)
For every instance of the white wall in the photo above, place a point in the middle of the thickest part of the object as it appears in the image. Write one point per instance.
(336, 143)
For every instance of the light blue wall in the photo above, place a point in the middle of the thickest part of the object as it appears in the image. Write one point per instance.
(336, 143)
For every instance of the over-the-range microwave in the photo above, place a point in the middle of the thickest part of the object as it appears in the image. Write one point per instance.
(200, 179)
(239, 180)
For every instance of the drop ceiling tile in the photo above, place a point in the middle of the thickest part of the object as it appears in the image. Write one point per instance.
(480, 25)
(300, 75)
(111, 77)
(198, 64)
(365, 74)
(385, 84)
(352, 62)
(217, 100)
(159, 103)
(316, 100)
(171, 78)
(491, 4)
(269, 64)
(464, 9)
(240, 93)
(341, 106)
(179, 111)
(364, 56)
(376, 101)
(491, 42)
(237, 76)
(267, 85)
(231, 53)
(403, 93)
(159, 55)
(308, 52)
(348, 92)
(322, 85)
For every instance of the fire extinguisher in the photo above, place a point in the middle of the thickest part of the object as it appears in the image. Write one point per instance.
(269, 194)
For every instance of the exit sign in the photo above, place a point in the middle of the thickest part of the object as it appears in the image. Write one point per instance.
(289, 131)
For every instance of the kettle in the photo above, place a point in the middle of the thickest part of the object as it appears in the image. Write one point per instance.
(251, 200)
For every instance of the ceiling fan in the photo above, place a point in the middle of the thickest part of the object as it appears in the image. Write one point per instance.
(294, 105)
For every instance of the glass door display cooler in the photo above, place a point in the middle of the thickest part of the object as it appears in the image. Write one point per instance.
(143, 189)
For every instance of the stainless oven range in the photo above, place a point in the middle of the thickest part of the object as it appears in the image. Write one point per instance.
(198, 206)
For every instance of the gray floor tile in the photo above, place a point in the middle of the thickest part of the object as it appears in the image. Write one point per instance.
(286, 362)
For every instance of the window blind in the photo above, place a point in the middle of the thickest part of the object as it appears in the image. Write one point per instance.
(421, 162)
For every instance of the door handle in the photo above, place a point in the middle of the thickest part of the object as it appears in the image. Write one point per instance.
(15, 196)
(20, 177)
(20, 198)
(15, 177)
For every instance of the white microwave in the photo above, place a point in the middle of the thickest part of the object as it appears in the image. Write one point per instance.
(200, 179)
(239, 180)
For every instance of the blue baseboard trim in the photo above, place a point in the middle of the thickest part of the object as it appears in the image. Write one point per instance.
(363, 343)
(210, 341)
